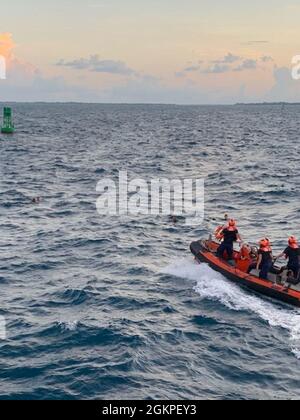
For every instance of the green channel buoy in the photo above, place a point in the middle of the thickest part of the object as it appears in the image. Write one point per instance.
(8, 126)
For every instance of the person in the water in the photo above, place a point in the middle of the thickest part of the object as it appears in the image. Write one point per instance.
(292, 253)
(173, 219)
(230, 235)
(265, 259)
(36, 200)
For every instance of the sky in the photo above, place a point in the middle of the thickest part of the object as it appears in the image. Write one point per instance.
(149, 51)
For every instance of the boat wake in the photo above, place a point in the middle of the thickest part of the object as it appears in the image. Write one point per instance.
(212, 285)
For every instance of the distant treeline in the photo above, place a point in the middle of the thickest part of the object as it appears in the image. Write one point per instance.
(269, 103)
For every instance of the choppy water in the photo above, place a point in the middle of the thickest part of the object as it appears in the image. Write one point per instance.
(107, 308)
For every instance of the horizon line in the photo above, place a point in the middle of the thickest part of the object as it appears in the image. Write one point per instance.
(150, 103)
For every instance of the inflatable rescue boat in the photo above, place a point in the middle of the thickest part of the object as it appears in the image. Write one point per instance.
(279, 285)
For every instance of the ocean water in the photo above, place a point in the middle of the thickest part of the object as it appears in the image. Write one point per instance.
(101, 307)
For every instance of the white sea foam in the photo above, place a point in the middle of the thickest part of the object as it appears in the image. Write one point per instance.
(68, 325)
(212, 285)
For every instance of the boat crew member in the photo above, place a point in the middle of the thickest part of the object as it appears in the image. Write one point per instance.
(230, 235)
(219, 230)
(244, 258)
(265, 259)
(292, 253)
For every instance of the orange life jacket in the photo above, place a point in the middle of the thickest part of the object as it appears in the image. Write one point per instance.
(245, 253)
(243, 259)
(231, 228)
(266, 249)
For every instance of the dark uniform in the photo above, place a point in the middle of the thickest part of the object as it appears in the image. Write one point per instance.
(230, 236)
(266, 263)
(293, 256)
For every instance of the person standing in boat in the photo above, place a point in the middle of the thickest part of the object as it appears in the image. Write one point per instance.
(265, 259)
(219, 229)
(292, 253)
(230, 235)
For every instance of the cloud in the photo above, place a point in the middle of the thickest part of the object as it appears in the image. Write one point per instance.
(248, 64)
(218, 66)
(192, 68)
(228, 59)
(36, 87)
(256, 42)
(223, 65)
(22, 85)
(285, 89)
(266, 59)
(42, 89)
(217, 69)
(16, 70)
(6, 44)
(25, 82)
(156, 91)
(95, 64)
(180, 74)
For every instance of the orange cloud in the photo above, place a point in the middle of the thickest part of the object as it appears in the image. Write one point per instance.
(16, 68)
(6, 44)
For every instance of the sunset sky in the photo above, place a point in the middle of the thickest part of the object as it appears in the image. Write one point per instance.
(166, 51)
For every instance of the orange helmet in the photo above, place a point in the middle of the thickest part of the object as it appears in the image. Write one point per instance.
(232, 224)
(264, 243)
(293, 243)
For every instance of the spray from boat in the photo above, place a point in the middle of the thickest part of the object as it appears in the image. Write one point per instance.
(213, 286)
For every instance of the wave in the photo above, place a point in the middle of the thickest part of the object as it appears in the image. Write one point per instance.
(68, 325)
(212, 285)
